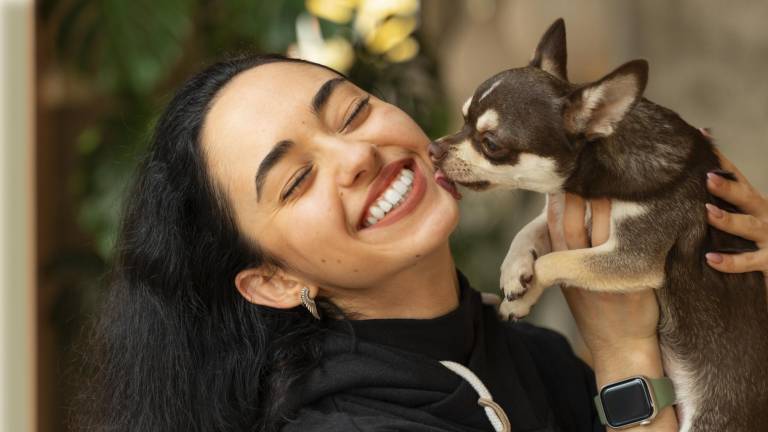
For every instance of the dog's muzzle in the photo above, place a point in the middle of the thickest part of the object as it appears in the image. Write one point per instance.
(437, 150)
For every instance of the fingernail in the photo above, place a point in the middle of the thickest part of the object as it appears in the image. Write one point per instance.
(714, 210)
(724, 174)
(715, 179)
(714, 258)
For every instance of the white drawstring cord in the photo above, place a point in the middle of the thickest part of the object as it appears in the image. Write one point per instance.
(496, 415)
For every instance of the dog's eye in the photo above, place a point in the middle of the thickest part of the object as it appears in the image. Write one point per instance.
(490, 146)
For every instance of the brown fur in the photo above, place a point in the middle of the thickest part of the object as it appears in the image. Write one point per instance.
(603, 140)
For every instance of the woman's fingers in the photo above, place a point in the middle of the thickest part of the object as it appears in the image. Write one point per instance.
(574, 231)
(727, 165)
(601, 220)
(739, 192)
(742, 225)
(555, 210)
(739, 263)
(573, 222)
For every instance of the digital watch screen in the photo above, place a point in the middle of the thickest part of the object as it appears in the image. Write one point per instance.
(627, 402)
(633, 401)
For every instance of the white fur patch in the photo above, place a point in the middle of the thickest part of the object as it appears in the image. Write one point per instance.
(465, 107)
(532, 172)
(620, 210)
(684, 380)
(489, 120)
(490, 89)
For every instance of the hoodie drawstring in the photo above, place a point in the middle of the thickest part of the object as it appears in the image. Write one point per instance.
(496, 415)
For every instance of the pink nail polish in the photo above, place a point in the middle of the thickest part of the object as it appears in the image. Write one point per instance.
(714, 210)
(715, 179)
(714, 258)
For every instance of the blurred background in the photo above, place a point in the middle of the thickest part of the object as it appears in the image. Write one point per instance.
(83, 81)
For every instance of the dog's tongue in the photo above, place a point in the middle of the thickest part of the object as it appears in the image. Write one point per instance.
(447, 184)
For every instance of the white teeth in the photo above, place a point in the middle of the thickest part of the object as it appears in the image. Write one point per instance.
(400, 187)
(384, 204)
(391, 197)
(377, 212)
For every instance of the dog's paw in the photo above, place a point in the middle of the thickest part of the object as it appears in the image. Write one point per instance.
(514, 310)
(517, 274)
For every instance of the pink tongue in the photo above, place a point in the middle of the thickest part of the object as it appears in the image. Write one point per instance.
(447, 184)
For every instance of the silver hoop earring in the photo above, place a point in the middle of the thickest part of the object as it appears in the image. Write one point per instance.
(309, 302)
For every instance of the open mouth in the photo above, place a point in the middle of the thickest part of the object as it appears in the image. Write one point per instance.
(395, 187)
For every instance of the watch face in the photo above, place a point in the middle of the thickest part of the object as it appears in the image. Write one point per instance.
(626, 402)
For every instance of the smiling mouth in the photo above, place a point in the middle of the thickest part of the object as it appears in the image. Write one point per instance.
(389, 192)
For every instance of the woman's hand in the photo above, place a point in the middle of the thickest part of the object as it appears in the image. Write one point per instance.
(752, 225)
(618, 329)
(608, 321)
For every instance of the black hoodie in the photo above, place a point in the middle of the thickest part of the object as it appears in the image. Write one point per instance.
(385, 375)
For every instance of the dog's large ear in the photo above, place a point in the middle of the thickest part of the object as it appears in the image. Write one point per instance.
(595, 109)
(551, 55)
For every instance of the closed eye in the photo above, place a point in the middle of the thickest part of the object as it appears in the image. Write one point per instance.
(299, 179)
(361, 105)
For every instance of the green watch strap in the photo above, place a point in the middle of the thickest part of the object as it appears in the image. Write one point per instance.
(663, 392)
(600, 410)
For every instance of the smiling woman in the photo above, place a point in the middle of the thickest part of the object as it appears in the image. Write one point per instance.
(272, 184)
(330, 158)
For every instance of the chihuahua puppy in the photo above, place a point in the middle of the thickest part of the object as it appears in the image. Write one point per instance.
(530, 128)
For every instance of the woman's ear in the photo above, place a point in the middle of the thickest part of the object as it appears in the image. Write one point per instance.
(271, 288)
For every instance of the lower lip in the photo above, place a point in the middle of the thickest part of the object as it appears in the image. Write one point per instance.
(411, 201)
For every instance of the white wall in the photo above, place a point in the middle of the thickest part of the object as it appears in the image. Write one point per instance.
(16, 217)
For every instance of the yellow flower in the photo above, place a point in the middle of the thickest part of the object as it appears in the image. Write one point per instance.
(338, 11)
(338, 54)
(370, 13)
(335, 52)
(392, 32)
(403, 51)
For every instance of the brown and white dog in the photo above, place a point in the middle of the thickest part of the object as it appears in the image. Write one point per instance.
(530, 128)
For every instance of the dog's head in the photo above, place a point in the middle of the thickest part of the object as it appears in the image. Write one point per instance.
(525, 127)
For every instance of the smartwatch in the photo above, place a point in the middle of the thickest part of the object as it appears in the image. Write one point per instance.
(635, 400)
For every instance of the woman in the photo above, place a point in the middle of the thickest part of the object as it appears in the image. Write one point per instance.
(253, 204)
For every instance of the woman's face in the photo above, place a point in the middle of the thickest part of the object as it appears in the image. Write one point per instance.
(303, 155)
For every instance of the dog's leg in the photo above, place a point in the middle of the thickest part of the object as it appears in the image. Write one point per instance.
(600, 269)
(530, 243)
(615, 266)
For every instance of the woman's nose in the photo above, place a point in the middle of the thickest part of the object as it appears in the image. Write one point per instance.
(356, 161)
(437, 150)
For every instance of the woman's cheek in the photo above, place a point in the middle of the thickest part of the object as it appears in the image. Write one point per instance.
(394, 127)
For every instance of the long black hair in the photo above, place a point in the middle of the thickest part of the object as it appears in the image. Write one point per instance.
(175, 346)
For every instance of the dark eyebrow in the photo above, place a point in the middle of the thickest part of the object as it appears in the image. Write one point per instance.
(281, 148)
(324, 92)
(274, 156)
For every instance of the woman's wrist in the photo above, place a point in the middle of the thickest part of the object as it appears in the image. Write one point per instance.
(618, 361)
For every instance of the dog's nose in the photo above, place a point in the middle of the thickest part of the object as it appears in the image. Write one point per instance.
(437, 150)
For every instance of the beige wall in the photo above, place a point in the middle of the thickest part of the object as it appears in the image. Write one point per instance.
(16, 197)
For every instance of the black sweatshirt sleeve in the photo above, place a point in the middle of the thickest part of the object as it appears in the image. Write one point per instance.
(570, 383)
